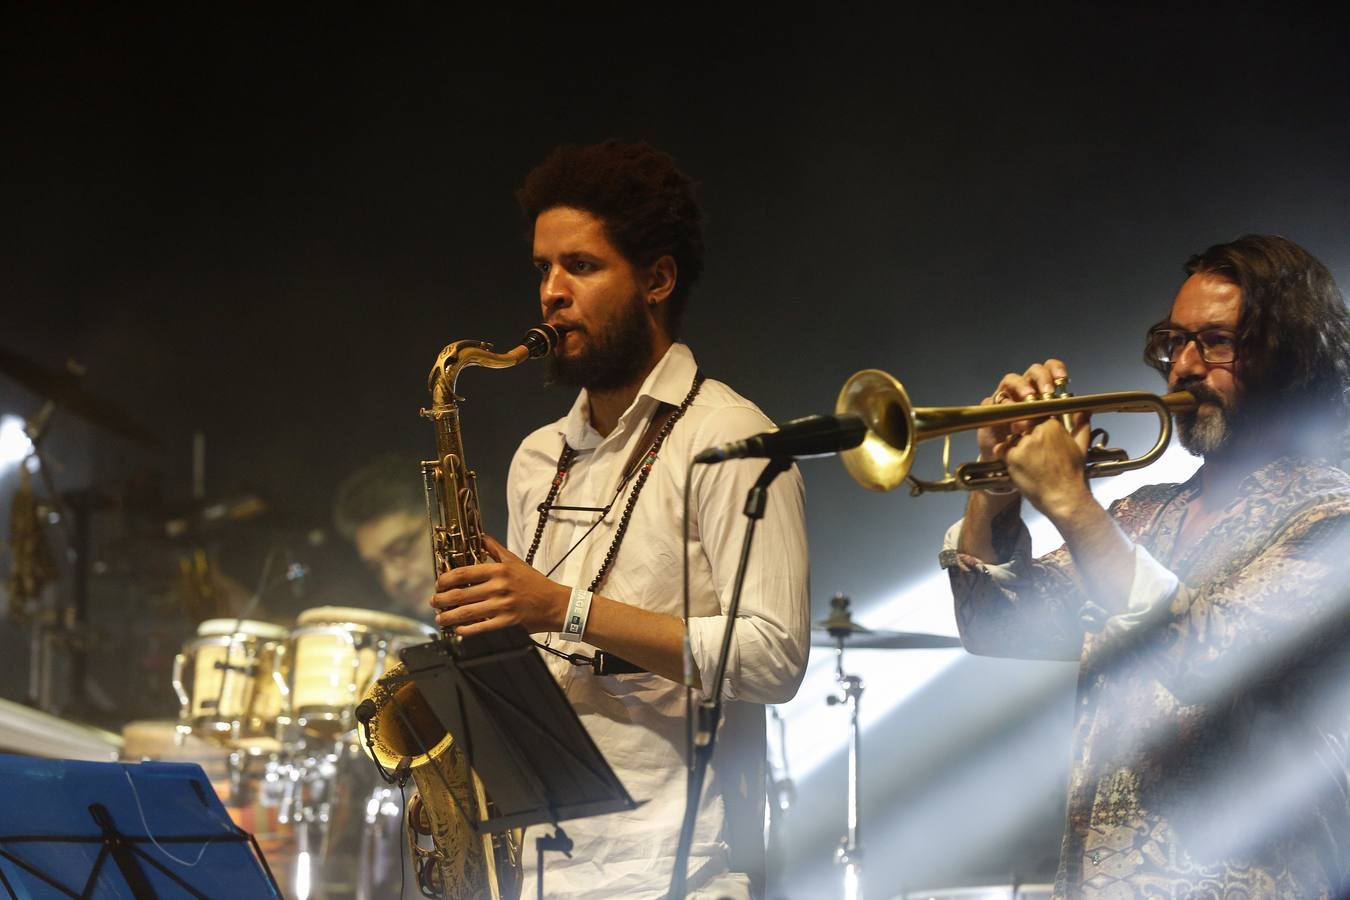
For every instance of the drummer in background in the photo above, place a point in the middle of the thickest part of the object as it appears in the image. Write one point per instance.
(381, 509)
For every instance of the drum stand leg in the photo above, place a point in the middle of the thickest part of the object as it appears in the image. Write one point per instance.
(367, 868)
(375, 869)
(304, 862)
(312, 811)
(850, 855)
(39, 671)
(42, 646)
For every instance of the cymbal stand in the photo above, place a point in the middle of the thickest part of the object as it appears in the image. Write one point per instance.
(850, 853)
(782, 796)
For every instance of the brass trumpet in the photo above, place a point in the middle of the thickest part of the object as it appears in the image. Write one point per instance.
(895, 426)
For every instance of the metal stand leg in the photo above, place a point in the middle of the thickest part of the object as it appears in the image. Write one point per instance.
(781, 797)
(850, 854)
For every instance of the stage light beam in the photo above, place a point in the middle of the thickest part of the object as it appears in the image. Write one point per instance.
(15, 445)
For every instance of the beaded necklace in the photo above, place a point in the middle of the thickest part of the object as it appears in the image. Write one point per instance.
(642, 468)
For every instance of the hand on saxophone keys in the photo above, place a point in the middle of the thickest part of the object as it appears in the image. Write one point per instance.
(488, 596)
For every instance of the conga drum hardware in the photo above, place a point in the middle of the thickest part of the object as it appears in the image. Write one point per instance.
(225, 681)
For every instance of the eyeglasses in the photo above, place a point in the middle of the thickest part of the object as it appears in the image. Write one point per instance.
(1216, 345)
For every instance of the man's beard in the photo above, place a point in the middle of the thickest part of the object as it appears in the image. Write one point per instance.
(612, 359)
(1211, 431)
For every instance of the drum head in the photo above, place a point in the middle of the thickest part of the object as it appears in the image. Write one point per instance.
(265, 630)
(160, 739)
(370, 619)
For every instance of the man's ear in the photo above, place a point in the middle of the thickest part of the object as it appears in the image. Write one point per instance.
(660, 280)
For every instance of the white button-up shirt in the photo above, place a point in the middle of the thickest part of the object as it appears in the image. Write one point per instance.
(638, 721)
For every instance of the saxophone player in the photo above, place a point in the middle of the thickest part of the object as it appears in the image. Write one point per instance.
(592, 558)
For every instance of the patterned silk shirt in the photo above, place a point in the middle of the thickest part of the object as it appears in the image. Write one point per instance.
(1213, 715)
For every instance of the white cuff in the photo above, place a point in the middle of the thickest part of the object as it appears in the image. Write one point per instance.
(1000, 573)
(1151, 592)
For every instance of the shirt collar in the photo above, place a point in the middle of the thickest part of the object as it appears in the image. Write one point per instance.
(668, 382)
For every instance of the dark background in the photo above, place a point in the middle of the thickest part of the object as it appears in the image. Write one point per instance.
(263, 226)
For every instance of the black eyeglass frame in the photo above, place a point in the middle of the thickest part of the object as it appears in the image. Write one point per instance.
(1163, 362)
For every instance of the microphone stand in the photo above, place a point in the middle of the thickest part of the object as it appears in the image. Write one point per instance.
(710, 707)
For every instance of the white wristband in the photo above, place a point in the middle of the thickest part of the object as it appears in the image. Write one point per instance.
(578, 610)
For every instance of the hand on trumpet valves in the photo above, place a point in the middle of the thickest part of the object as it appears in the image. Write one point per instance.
(507, 591)
(1044, 456)
(1046, 466)
(1041, 381)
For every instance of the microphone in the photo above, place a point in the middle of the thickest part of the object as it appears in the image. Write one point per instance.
(807, 436)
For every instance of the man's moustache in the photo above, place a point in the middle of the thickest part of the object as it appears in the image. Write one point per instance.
(1202, 393)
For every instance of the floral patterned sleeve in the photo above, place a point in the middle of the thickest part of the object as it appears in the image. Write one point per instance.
(1025, 608)
(1036, 608)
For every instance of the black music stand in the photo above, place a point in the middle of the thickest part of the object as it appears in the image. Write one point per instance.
(495, 695)
(89, 831)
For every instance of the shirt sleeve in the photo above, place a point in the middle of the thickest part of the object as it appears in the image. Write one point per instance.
(517, 518)
(1025, 608)
(771, 636)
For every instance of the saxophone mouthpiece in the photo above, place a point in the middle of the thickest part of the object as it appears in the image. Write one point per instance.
(541, 340)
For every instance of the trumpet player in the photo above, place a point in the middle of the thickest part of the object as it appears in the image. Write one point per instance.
(592, 557)
(1210, 619)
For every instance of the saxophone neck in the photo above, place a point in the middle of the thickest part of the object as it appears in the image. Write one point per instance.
(460, 355)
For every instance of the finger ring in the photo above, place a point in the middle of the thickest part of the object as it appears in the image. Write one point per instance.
(1000, 395)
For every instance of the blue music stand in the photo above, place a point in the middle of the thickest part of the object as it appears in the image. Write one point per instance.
(94, 831)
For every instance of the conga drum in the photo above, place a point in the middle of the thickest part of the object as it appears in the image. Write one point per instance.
(335, 653)
(227, 680)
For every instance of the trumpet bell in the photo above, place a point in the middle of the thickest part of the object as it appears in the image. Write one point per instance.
(883, 460)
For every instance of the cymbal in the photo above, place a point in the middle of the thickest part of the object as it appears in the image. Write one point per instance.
(860, 638)
(839, 625)
(67, 392)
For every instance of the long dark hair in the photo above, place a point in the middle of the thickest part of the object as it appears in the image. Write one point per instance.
(1293, 333)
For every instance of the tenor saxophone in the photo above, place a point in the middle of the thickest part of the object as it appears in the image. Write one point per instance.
(403, 734)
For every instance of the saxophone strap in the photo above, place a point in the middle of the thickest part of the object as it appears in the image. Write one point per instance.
(639, 464)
